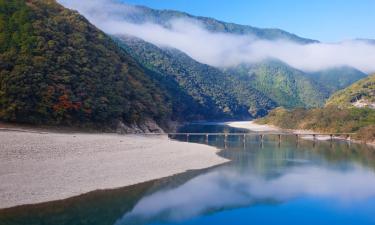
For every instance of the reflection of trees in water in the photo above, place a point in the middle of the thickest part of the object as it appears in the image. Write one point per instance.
(341, 151)
(98, 207)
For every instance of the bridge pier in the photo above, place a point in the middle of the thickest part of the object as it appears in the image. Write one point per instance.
(225, 140)
(260, 135)
(349, 141)
(244, 141)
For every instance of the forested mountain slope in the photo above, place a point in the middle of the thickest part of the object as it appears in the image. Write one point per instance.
(57, 68)
(211, 87)
(286, 86)
(337, 78)
(351, 110)
(360, 94)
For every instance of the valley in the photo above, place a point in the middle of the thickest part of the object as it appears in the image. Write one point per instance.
(103, 104)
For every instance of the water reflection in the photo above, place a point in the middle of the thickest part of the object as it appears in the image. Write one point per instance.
(230, 188)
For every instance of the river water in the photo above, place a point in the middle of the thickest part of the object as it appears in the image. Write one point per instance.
(266, 182)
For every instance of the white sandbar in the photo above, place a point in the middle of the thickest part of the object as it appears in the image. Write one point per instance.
(40, 167)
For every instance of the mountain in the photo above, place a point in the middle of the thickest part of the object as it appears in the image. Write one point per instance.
(57, 68)
(337, 78)
(359, 94)
(369, 41)
(142, 14)
(211, 87)
(286, 86)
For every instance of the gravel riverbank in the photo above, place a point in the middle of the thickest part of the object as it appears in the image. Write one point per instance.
(38, 167)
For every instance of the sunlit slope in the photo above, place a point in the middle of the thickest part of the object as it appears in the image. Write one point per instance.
(359, 94)
(286, 86)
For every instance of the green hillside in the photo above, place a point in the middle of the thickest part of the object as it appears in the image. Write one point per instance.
(330, 119)
(286, 86)
(210, 87)
(338, 116)
(362, 92)
(57, 68)
(337, 78)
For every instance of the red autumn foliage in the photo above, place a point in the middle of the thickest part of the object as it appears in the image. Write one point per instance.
(65, 104)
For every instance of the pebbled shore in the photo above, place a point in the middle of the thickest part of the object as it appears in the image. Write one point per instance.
(39, 167)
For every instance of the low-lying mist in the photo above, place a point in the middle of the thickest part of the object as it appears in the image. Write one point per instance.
(224, 49)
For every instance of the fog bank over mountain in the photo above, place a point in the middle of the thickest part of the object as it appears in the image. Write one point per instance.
(221, 49)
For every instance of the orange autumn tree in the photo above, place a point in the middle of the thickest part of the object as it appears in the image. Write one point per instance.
(64, 106)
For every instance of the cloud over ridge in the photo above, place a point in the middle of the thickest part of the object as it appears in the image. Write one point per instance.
(224, 49)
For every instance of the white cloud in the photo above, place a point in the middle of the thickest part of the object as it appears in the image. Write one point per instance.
(222, 49)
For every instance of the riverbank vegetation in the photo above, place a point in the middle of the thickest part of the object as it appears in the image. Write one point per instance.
(330, 119)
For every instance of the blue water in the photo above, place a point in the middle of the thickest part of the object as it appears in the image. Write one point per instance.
(264, 183)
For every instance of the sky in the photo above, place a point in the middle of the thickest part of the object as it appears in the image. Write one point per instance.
(324, 20)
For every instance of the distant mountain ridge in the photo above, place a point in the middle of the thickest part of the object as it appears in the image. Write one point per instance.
(143, 14)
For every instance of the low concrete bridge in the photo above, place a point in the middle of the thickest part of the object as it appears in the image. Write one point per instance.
(261, 135)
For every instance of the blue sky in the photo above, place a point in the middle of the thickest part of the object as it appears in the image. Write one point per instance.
(324, 20)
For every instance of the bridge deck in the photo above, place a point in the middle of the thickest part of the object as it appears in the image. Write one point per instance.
(256, 134)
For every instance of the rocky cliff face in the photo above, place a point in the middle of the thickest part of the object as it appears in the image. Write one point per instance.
(146, 126)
